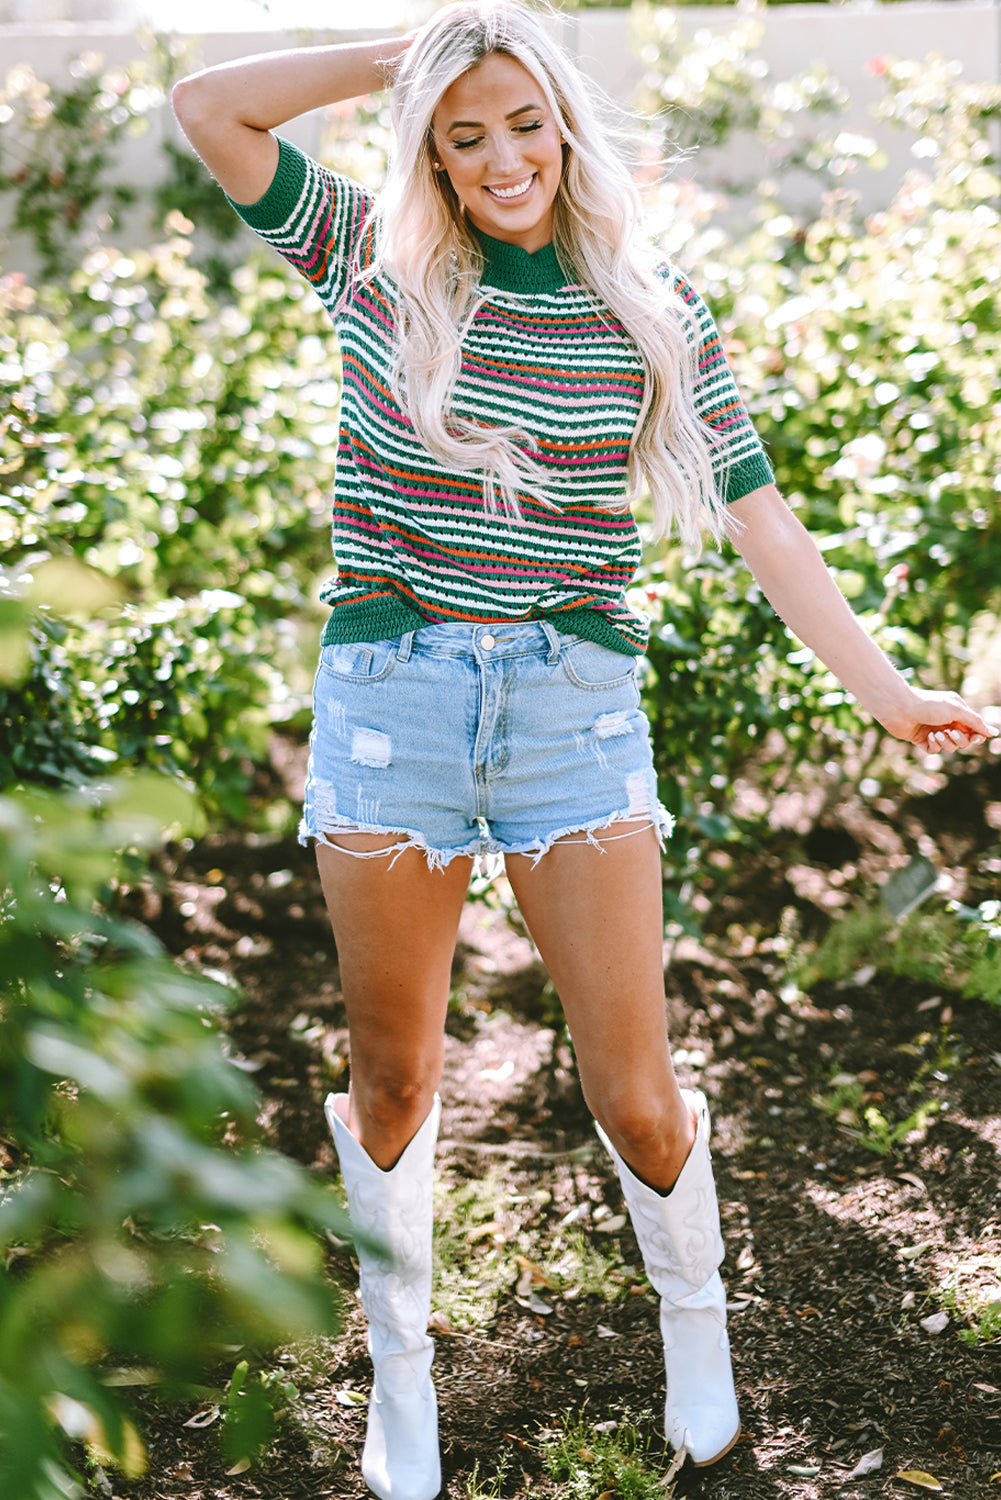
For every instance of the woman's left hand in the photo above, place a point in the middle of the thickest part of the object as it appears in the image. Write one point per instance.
(938, 723)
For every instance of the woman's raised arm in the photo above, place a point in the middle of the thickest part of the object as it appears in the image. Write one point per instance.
(794, 579)
(228, 112)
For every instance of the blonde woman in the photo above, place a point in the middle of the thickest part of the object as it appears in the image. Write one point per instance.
(515, 372)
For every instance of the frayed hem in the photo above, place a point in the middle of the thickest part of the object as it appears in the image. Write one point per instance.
(659, 819)
(437, 859)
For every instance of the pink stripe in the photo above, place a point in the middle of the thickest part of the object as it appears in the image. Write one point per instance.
(604, 389)
(371, 307)
(439, 501)
(459, 566)
(373, 528)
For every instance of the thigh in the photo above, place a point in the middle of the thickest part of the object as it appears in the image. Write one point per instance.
(395, 923)
(596, 915)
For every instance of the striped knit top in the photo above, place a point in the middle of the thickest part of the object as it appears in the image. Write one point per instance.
(413, 542)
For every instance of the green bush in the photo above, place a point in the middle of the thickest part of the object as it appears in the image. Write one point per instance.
(180, 451)
(957, 946)
(181, 444)
(868, 353)
(140, 1222)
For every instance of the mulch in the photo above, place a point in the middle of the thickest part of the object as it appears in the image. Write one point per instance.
(834, 1252)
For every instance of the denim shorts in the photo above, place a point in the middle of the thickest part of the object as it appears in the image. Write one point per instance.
(476, 740)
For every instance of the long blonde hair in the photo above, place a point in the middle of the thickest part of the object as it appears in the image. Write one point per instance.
(425, 247)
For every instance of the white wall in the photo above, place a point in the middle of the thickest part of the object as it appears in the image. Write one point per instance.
(795, 37)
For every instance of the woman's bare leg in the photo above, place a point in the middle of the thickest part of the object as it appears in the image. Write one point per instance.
(395, 924)
(597, 919)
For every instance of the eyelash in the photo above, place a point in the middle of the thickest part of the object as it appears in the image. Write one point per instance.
(475, 141)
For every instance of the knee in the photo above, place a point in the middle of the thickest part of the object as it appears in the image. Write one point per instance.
(641, 1126)
(391, 1102)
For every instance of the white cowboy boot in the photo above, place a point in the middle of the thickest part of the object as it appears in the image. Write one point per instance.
(679, 1236)
(400, 1460)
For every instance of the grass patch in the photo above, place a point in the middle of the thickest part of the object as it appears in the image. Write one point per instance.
(846, 1103)
(588, 1461)
(972, 1291)
(478, 1487)
(581, 1267)
(472, 1264)
(956, 946)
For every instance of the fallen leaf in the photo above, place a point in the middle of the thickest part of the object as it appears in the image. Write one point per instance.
(868, 1464)
(804, 1471)
(203, 1418)
(131, 1377)
(606, 1333)
(535, 1303)
(498, 1075)
(482, 1231)
(676, 1465)
(439, 1322)
(913, 1180)
(914, 1251)
(531, 1275)
(347, 1397)
(612, 1225)
(239, 1468)
(936, 1323)
(923, 1480)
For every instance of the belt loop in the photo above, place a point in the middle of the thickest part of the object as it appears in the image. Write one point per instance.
(406, 646)
(554, 643)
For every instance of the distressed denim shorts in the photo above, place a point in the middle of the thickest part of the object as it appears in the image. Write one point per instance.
(477, 740)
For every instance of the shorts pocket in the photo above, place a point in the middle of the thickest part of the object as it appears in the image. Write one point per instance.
(360, 661)
(595, 667)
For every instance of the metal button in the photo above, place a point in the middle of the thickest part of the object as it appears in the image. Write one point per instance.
(488, 642)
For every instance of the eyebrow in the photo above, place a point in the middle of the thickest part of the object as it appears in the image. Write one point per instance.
(478, 124)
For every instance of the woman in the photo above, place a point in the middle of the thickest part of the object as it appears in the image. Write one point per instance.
(514, 373)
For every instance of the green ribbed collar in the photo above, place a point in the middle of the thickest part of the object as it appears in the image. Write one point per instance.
(512, 269)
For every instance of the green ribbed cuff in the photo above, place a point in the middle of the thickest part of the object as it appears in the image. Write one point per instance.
(271, 211)
(747, 474)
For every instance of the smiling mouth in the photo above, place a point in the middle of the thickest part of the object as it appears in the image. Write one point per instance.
(514, 192)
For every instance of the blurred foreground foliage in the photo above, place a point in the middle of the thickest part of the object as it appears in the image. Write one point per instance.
(145, 1233)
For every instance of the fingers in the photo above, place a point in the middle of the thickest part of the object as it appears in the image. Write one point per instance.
(952, 737)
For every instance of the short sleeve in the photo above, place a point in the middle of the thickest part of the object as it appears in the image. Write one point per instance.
(740, 463)
(315, 218)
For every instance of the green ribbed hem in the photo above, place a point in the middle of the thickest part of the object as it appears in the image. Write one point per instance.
(594, 626)
(747, 474)
(369, 620)
(381, 619)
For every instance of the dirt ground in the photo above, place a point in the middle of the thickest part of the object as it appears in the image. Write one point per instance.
(833, 1252)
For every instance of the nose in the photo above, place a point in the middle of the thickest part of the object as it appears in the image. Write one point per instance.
(504, 153)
